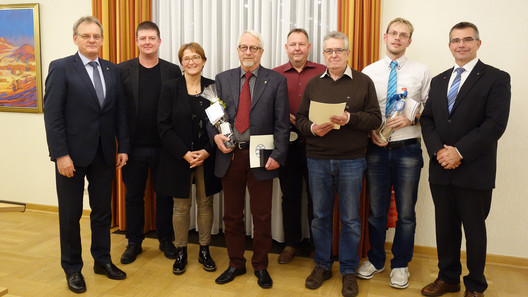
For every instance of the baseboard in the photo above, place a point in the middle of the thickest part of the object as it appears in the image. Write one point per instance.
(11, 206)
(430, 252)
(50, 208)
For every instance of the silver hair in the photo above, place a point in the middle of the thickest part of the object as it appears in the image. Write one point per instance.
(336, 35)
(89, 20)
(255, 34)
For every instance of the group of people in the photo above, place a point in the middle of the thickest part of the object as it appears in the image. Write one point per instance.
(157, 118)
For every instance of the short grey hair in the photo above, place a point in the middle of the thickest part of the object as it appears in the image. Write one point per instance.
(89, 20)
(336, 35)
(255, 34)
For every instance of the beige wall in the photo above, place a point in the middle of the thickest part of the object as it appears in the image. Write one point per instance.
(26, 175)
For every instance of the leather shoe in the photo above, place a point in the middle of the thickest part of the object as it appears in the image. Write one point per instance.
(76, 282)
(110, 270)
(439, 287)
(130, 254)
(264, 279)
(181, 260)
(287, 254)
(473, 294)
(229, 275)
(168, 249)
(204, 258)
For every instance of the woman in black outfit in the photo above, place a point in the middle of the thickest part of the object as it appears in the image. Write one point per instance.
(187, 154)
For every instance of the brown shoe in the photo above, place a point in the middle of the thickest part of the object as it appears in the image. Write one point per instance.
(350, 286)
(439, 287)
(317, 277)
(287, 254)
(473, 294)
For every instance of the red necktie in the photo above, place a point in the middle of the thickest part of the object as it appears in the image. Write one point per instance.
(244, 104)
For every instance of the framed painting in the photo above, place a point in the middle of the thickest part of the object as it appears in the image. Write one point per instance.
(20, 68)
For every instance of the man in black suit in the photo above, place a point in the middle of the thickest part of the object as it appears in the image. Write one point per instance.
(256, 100)
(464, 118)
(84, 113)
(142, 78)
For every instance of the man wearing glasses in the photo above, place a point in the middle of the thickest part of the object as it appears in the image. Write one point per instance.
(84, 115)
(256, 100)
(464, 117)
(142, 78)
(335, 152)
(395, 163)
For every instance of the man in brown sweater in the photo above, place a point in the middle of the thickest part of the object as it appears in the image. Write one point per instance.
(336, 158)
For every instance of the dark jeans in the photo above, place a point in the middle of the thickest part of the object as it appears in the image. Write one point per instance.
(291, 178)
(135, 174)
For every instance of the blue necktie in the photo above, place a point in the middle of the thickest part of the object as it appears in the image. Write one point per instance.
(97, 82)
(453, 91)
(391, 89)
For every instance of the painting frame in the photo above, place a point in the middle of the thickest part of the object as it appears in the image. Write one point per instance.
(20, 69)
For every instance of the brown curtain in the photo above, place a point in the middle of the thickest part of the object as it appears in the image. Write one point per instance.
(360, 21)
(120, 19)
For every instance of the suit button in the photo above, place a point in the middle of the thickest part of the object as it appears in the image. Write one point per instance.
(449, 121)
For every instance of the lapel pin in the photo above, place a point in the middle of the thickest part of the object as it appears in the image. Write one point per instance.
(265, 81)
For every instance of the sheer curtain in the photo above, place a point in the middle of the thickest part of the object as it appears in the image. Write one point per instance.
(216, 25)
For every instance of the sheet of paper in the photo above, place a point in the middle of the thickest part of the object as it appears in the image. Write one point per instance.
(256, 143)
(320, 113)
(214, 112)
(411, 109)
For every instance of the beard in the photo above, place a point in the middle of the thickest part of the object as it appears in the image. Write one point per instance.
(248, 63)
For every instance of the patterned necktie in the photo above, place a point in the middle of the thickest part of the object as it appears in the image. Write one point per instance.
(244, 104)
(97, 82)
(391, 89)
(453, 91)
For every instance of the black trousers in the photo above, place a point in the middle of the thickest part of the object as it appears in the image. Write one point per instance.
(457, 207)
(135, 175)
(70, 194)
(291, 179)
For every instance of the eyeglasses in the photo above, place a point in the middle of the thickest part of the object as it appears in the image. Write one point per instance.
(252, 48)
(330, 51)
(195, 59)
(88, 36)
(463, 40)
(394, 34)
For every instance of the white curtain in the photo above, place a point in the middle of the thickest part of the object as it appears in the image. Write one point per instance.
(216, 26)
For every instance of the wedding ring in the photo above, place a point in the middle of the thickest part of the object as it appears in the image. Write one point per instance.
(443, 164)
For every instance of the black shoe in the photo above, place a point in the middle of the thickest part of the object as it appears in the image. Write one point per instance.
(76, 282)
(204, 257)
(130, 254)
(168, 248)
(110, 270)
(181, 260)
(264, 279)
(229, 275)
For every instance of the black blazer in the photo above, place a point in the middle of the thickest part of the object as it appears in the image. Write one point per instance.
(269, 114)
(130, 79)
(74, 120)
(175, 128)
(477, 121)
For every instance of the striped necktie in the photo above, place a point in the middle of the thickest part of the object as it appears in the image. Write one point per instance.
(453, 91)
(391, 89)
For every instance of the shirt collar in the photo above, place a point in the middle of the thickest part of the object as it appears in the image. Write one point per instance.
(243, 72)
(85, 60)
(348, 72)
(468, 67)
(401, 61)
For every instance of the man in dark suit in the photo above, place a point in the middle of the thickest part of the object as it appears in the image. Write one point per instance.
(256, 100)
(84, 113)
(464, 117)
(142, 78)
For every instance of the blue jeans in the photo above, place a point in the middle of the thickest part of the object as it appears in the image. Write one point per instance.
(346, 177)
(399, 168)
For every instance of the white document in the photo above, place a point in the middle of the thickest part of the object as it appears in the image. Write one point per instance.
(411, 109)
(320, 113)
(214, 112)
(256, 143)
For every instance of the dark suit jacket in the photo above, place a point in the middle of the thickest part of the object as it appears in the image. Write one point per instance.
(269, 114)
(477, 121)
(74, 120)
(175, 128)
(130, 79)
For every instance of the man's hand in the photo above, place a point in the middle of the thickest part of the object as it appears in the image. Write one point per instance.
(322, 129)
(198, 157)
(271, 164)
(376, 139)
(448, 157)
(219, 140)
(398, 122)
(292, 119)
(339, 120)
(121, 160)
(65, 166)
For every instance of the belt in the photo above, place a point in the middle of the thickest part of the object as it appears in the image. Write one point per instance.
(401, 143)
(244, 145)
